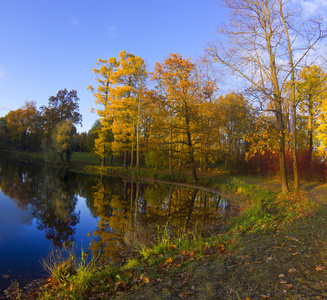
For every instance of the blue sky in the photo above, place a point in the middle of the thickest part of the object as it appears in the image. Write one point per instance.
(46, 46)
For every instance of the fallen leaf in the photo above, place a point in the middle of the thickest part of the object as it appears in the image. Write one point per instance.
(281, 275)
(185, 295)
(146, 279)
(283, 281)
(292, 270)
(320, 268)
(270, 258)
(289, 285)
(258, 262)
(250, 270)
(169, 260)
(247, 298)
(265, 296)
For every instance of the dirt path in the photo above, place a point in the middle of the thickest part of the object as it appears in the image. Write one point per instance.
(317, 191)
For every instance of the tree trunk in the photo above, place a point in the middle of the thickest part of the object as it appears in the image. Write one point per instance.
(294, 149)
(103, 161)
(281, 153)
(310, 129)
(293, 100)
(68, 156)
(190, 146)
(125, 160)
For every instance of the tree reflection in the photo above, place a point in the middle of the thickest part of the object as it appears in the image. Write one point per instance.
(54, 209)
(50, 192)
(111, 209)
(130, 213)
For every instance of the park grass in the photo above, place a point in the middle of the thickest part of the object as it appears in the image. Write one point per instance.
(274, 248)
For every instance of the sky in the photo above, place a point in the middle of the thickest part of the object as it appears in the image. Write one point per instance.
(47, 46)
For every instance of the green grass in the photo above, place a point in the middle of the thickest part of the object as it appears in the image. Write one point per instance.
(85, 158)
(263, 214)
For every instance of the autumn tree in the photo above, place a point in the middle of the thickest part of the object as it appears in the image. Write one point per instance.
(235, 118)
(23, 122)
(64, 139)
(119, 95)
(63, 106)
(176, 76)
(159, 128)
(106, 78)
(128, 104)
(322, 130)
(311, 91)
(4, 131)
(81, 142)
(254, 46)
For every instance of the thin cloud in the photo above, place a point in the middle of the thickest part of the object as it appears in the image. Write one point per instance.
(75, 21)
(2, 72)
(112, 31)
(4, 107)
(314, 6)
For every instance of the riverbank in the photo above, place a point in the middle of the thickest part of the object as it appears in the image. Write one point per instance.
(275, 248)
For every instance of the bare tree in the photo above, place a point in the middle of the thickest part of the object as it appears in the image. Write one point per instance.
(260, 46)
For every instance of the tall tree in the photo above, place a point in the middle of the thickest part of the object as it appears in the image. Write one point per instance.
(234, 117)
(176, 76)
(128, 104)
(120, 95)
(311, 91)
(106, 78)
(63, 106)
(252, 46)
(64, 139)
(22, 122)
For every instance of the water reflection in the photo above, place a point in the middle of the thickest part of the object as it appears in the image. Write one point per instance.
(131, 213)
(120, 213)
(54, 206)
(48, 193)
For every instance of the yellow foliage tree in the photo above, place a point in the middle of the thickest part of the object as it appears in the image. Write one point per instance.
(120, 95)
(106, 77)
(312, 91)
(127, 105)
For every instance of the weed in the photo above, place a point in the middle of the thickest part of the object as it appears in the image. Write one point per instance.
(15, 290)
(60, 264)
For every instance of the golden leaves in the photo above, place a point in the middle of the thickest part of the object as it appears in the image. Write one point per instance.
(168, 261)
(320, 268)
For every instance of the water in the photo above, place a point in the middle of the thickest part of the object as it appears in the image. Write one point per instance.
(44, 208)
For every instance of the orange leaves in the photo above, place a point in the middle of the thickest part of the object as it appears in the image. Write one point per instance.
(145, 278)
(250, 270)
(168, 261)
(320, 268)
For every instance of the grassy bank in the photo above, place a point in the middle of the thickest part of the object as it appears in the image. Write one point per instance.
(84, 158)
(275, 248)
